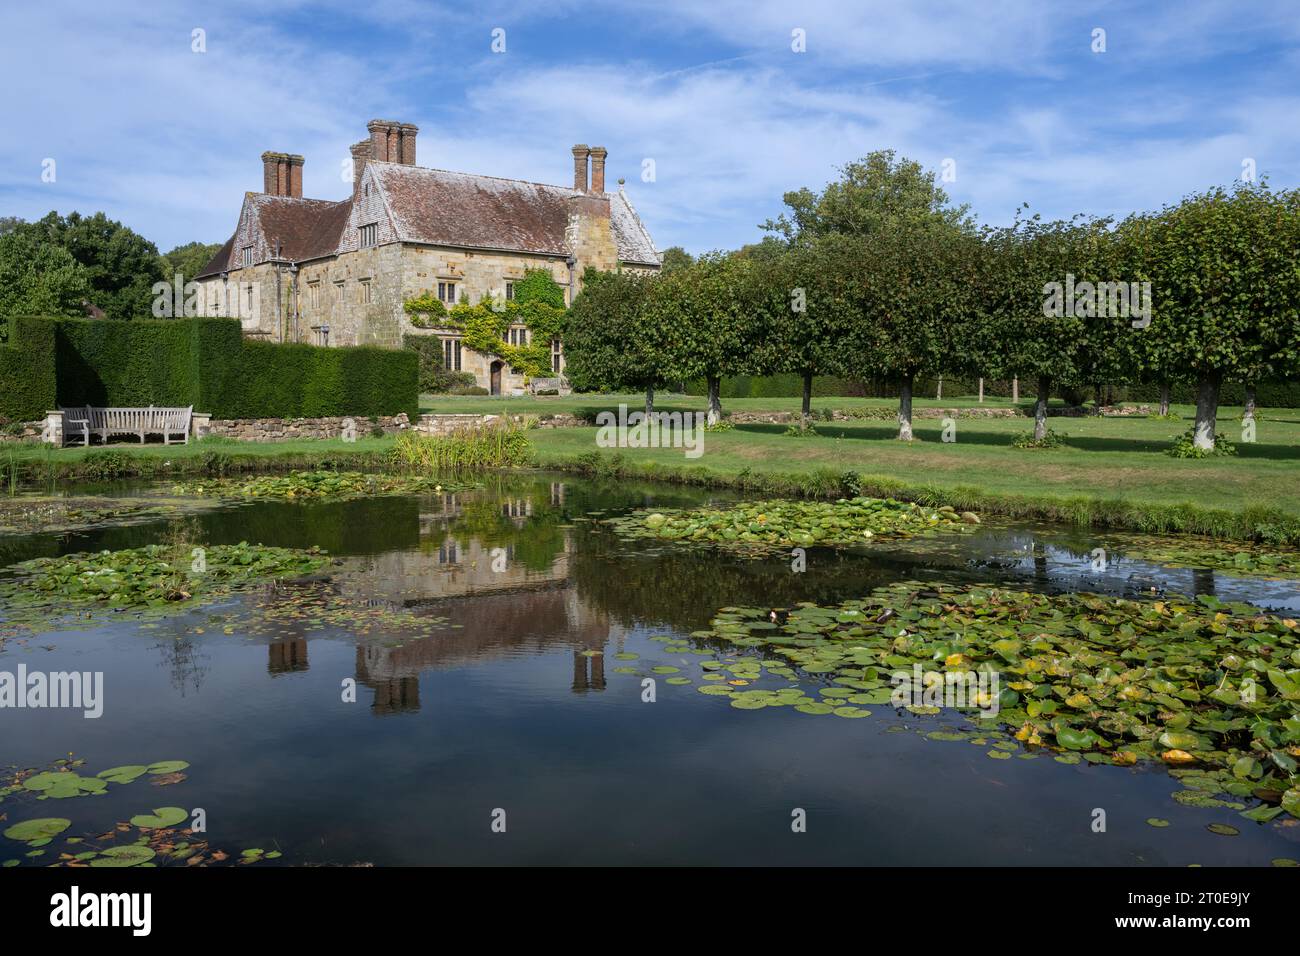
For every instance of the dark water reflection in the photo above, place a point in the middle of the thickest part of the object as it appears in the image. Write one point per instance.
(504, 704)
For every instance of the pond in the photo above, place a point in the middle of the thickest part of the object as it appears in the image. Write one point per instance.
(467, 684)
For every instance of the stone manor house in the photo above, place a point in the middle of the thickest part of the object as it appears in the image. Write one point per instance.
(337, 273)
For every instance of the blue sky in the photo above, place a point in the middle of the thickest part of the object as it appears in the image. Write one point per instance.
(168, 140)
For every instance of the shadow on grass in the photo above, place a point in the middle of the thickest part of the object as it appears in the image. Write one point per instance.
(929, 432)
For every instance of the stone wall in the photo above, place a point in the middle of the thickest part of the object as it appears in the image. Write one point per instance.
(22, 431)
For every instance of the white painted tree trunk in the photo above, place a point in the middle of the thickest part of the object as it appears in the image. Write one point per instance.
(905, 410)
(981, 390)
(1249, 413)
(1040, 408)
(1015, 389)
(715, 400)
(938, 392)
(650, 400)
(1207, 411)
(1164, 398)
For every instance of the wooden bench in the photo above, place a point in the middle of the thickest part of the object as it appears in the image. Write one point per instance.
(106, 422)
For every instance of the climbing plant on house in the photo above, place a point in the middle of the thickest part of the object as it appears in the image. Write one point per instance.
(538, 305)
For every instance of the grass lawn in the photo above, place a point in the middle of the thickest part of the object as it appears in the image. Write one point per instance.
(1114, 460)
(197, 449)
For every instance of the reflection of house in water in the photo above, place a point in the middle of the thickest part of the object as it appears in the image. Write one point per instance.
(287, 655)
(502, 606)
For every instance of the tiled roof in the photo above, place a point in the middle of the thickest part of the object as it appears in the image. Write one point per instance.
(441, 208)
(305, 228)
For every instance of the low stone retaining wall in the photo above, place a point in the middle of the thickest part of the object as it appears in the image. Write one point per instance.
(23, 431)
(291, 429)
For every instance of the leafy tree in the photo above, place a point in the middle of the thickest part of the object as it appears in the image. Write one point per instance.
(1226, 289)
(674, 258)
(769, 250)
(39, 277)
(8, 224)
(914, 298)
(712, 310)
(870, 194)
(615, 339)
(120, 265)
(1039, 293)
(188, 260)
(809, 313)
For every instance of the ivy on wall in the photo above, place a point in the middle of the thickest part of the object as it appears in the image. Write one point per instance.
(538, 305)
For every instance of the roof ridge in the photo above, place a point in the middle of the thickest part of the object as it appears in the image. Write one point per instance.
(504, 179)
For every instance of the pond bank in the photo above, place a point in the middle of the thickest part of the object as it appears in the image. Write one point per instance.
(1263, 524)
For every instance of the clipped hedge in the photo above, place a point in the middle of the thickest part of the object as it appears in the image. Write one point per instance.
(201, 362)
(27, 370)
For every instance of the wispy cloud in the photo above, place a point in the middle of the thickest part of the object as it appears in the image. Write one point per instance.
(168, 140)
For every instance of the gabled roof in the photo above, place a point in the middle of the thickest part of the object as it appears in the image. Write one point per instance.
(435, 207)
(305, 228)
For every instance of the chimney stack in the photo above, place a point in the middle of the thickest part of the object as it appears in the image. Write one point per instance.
(580, 154)
(360, 153)
(392, 142)
(282, 174)
(598, 154)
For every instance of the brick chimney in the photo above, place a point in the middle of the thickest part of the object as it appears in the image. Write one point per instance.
(598, 154)
(295, 175)
(282, 174)
(392, 142)
(409, 131)
(360, 153)
(580, 154)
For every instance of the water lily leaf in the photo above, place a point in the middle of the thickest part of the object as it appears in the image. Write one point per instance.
(168, 766)
(1222, 829)
(161, 818)
(124, 774)
(45, 828)
(121, 856)
(1157, 822)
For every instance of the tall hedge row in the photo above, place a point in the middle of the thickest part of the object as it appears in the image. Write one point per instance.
(27, 379)
(201, 362)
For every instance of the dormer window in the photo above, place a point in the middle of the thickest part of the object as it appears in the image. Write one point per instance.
(369, 234)
(247, 256)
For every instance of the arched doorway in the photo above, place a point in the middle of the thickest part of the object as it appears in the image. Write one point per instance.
(496, 378)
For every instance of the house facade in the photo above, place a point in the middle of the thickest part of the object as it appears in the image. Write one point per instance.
(338, 273)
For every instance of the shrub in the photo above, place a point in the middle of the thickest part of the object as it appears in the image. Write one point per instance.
(433, 376)
(201, 362)
(1050, 439)
(1184, 446)
(467, 390)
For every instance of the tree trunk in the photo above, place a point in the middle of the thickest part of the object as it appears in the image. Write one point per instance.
(1207, 411)
(938, 392)
(1249, 413)
(905, 409)
(649, 400)
(1164, 398)
(1040, 407)
(981, 390)
(1015, 389)
(715, 399)
(806, 408)
(1097, 400)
